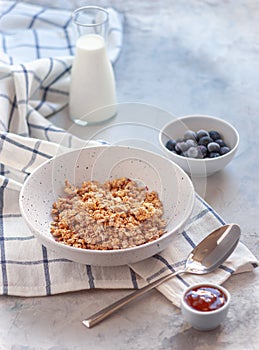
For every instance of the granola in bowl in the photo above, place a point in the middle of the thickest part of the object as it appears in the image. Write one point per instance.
(116, 214)
(46, 184)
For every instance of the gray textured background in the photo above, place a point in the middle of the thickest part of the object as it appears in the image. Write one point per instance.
(187, 57)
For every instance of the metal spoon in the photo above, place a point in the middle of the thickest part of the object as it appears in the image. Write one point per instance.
(210, 253)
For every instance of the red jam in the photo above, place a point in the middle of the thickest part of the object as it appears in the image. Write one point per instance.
(205, 298)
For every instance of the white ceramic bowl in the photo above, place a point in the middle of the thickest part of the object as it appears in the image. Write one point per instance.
(103, 163)
(205, 320)
(199, 167)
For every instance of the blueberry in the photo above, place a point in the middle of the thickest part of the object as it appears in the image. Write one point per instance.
(202, 151)
(182, 146)
(213, 147)
(224, 150)
(190, 135)
(201, 133)
(170, 145)
(220, 142)
(214, 135)
(191, 143)
(192, 152)
(214, 155)
(176, 147)
(204, 140)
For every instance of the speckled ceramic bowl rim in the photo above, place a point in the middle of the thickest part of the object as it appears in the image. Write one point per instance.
(205, 313)
(186, 117)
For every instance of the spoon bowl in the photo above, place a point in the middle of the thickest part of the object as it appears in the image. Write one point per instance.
(213, 250)
(209, 254)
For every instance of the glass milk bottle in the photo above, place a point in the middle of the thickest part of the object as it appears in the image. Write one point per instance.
(92, 97)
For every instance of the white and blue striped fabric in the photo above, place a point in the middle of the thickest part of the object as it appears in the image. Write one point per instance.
(36, 53)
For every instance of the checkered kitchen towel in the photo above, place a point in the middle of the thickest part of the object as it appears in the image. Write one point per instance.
(36, 47)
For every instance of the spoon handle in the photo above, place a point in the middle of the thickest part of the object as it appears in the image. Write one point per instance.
(107, 311)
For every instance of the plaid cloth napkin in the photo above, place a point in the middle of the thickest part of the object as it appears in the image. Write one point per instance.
(36, 49)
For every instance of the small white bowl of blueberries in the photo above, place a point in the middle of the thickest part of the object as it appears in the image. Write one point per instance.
(200, 144)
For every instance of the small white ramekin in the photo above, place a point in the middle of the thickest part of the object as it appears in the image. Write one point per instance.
(205, 320)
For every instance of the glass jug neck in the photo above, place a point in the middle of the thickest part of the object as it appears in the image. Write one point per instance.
(91, 20)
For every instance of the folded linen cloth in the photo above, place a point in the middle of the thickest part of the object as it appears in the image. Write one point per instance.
(34, 78)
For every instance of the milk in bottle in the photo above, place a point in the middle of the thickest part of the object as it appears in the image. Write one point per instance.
(92, 96)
